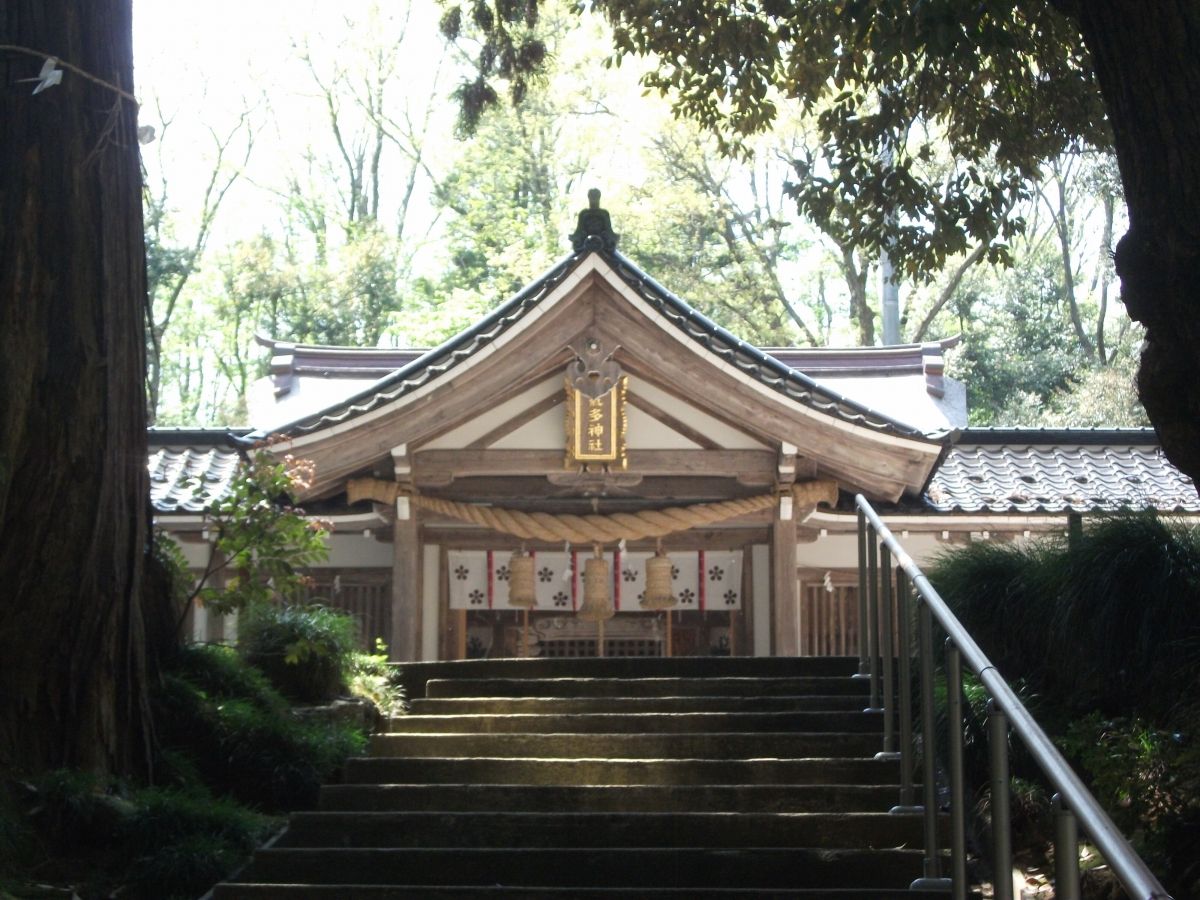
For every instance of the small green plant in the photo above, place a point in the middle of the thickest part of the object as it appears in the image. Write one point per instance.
(303, 650)
(370, 676)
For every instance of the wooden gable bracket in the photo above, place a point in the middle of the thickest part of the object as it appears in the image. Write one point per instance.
(402, 470)
(786, 469)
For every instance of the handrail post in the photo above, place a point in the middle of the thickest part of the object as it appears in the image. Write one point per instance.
(885, 656)
(1066, 852)
(862, 595)
(932, 878)
(873, 616)
(958, 793)
(908, 798)
(1001, 819)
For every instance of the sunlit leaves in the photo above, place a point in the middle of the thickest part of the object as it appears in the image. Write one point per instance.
(1002, 85)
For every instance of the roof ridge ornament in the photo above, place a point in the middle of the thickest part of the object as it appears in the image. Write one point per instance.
(593, 231)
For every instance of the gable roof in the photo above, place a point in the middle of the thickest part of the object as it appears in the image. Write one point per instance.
(766, 368)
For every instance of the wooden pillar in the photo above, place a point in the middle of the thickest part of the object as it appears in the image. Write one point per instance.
(405, 644)
(783, 581)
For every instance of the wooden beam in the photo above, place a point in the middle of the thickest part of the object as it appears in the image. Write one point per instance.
(783, 586)
(646, 371)
(455, 538)
(882, 464)
(406, 587)
(671, 422)
(434, 467)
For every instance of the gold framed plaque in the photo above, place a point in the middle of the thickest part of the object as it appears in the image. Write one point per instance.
(596, 427)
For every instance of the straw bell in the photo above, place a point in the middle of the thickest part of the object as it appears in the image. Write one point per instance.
(521, 591)
(658, 583)
(597, 599)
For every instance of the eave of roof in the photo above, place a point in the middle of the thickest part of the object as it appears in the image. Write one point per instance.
(748, 359)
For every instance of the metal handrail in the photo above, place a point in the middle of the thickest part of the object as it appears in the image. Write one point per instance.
(1073, 799)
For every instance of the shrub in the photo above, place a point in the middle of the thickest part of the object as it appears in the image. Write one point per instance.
(181, 841)
(1111, 623)
(153, 843)
(303, 650)
(219, 718)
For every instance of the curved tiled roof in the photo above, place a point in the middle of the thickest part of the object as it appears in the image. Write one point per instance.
(190, 468)
(743, 356)
(1059, 470)
(1019, 471)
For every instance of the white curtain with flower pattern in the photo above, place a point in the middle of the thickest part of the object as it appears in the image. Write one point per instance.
(701, 580)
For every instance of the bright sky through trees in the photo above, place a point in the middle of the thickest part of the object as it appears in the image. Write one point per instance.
(203, 65)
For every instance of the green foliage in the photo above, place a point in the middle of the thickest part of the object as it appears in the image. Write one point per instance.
(240, 735)
(231, 752)
(510, 49)
(181, 841)
(1148, 778)
(1005, 86)
(369, 675)
(303, 650)
(1105, 634)
(263, 540)
(154, 843)
(1017, 339)
(1119, 612)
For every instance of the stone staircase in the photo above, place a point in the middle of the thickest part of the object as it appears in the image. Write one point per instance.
(693, 777)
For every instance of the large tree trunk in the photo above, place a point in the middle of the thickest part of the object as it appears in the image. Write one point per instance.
(1147, 59)
(73, 483)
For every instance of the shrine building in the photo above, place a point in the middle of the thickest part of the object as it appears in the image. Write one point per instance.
(596, 467)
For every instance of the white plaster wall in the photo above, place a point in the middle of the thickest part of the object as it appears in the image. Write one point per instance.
(722, 434)
(647, 433)
(472, 430)
(546, 432)
(356, 551)
(195, 552)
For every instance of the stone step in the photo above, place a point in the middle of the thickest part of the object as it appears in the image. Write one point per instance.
(646, 687)
(756, 798)
(601, 829)
(631, 868)
(640, 723)
(469, 892)
(702, 745)
(414, 675)
(603, 770)
(559, 705)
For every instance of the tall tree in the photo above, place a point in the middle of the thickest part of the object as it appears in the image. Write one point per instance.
(77, 623)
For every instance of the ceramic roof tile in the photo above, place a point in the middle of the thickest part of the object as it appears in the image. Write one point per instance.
(189, 468)
(1079, 474)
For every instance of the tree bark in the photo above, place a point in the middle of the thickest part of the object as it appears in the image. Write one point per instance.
(1146, 55)
(73, 481)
